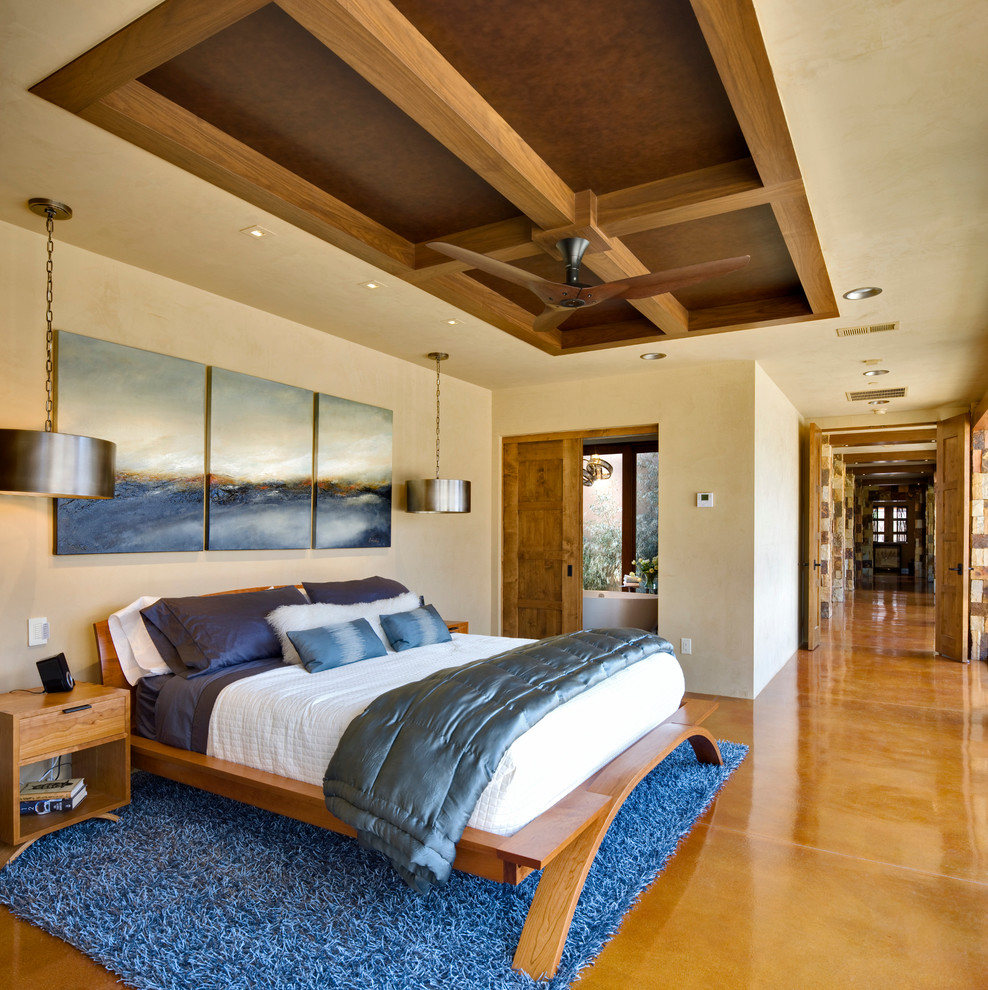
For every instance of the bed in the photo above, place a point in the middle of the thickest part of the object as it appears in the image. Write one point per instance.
(561, 837)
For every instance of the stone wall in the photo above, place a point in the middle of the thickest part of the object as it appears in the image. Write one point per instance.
(849, 533)
(838, 522)
(826, 511)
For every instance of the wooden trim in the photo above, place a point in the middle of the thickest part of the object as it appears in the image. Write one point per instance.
(139, 114)
(862, 436)
(730, 29)
(375, 40)
(162, 33)
(609, 431)
(799, 232)
(754, 313)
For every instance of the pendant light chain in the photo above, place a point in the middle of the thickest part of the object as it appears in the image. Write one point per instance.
(50, 337)
(438, 362)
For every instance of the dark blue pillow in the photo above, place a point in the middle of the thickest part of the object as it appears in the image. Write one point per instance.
(419, 627)
(355, 592)
(209, 632)
(337, 645)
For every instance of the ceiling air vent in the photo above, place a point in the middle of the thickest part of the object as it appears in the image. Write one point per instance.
(876, 393)
(872, 328)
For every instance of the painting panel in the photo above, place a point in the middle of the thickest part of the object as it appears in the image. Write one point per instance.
(260, 464)
(353, 474)
(153, 407)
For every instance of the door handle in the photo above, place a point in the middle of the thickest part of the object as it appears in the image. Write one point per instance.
(959, 568)
(816, 563)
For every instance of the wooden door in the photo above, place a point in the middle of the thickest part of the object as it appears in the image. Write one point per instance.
(811, 548)
(542, 553)
(952, 548)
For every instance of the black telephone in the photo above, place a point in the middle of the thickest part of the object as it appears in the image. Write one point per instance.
(55, 674)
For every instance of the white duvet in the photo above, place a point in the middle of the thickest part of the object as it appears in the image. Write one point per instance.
(289, 722)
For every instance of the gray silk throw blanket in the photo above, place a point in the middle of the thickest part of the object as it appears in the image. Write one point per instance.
(411, 767)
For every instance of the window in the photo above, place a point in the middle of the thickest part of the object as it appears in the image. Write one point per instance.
(900, 524)
(890, 524)
(620, 514)
(878, 524)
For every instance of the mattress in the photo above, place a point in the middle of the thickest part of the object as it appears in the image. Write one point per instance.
(289, 722)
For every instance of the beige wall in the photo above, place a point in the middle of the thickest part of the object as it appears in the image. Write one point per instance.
(776, 538)
(707, 442)
(446, 558)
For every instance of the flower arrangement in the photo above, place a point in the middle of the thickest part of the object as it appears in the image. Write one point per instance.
(648, 570)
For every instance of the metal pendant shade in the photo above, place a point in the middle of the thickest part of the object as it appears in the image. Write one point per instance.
(437, 494)
(55, 465)
(46, 463)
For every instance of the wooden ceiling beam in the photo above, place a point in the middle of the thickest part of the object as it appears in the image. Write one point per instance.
(880, 435)
(891, 458)
(146, 118)
(477, 299)
(638, 331)
(735, 41)
(162, 33)
(692, 196)
(750, 313)
(376, 41)
(509, 240)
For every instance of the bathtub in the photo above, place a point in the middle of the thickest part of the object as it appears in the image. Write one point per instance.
(632, 609)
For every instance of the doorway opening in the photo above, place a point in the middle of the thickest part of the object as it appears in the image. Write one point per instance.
(542, 508)
(621, 532)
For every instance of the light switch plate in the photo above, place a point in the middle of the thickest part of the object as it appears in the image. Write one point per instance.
(37, 631)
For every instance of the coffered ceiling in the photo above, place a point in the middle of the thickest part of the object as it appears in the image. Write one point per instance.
(840, 143)
(656, 133)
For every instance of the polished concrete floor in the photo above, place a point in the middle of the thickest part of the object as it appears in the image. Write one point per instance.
(851, 847)
(850, 850)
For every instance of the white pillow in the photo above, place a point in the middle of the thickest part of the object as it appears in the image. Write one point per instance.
(135, 649)
(291, 618)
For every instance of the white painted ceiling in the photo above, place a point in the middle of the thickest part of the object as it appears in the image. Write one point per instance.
(886, 103)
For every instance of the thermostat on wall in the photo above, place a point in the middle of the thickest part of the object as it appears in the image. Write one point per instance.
(703, 499)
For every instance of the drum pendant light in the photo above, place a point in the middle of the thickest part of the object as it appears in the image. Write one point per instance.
(50, 464)
(437, 494)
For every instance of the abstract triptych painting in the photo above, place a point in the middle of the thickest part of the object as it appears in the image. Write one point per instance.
(277, 468)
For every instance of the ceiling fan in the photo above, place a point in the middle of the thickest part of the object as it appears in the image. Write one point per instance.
(561, 298)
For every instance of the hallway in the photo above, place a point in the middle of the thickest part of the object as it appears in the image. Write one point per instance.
(851, 847)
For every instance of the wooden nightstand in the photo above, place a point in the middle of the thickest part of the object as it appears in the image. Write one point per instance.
(458, 625)
(35, 727)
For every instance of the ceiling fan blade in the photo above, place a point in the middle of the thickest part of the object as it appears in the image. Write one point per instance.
(655, 283)
(543, 288)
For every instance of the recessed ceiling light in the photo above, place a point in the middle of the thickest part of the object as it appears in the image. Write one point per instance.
(875, 372)
(372, 284)
(864, 292)
(878, 402)
(452, 323)
(652, 356)
(258, 232)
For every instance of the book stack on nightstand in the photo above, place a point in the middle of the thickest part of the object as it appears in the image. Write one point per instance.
(40, 797)
(91, 724)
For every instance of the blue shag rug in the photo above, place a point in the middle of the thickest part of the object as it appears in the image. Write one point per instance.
(189, 891)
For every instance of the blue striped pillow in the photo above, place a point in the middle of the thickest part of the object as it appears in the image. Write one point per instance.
(419, 627)
(335, 646)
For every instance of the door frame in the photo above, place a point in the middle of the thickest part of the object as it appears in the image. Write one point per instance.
(601, 433)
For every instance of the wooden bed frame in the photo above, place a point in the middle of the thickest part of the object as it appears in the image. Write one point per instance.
(562, 841)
